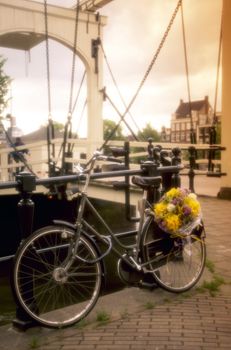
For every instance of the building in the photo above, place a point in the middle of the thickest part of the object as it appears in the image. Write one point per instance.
(165, 134)
(182, 123)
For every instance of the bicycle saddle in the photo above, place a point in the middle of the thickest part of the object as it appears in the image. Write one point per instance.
(146, 182)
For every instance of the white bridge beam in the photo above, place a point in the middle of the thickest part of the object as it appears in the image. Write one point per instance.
(93, 5)
(22, 26)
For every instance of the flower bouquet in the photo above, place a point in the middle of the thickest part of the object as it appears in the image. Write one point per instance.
(178, 212)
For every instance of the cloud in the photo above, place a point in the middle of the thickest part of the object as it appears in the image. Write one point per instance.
(131, 38)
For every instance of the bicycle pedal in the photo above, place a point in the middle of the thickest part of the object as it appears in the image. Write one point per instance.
(148, 281)
(147, 285)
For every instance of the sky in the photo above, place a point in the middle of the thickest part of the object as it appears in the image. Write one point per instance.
(131, 38)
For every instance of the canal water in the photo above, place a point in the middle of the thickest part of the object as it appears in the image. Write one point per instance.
(114, 215)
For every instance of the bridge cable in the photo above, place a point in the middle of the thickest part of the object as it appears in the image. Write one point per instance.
(217, 75)
(68, 125)
(50, 125)
(145, 75)
(18, 152)
(119, 92)
(80, 121)
(73, 109)
(78, 93)
(120, 115)
(213, 129)
(192, 132)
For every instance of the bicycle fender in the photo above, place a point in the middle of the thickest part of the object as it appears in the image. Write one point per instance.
(73, 227)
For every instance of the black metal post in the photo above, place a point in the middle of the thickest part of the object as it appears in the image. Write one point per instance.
(192, 165)
(68, 166)
(150, 148)
(165, 160)
(212, 141)
(26, 185)
(156, 155)
(176, 160)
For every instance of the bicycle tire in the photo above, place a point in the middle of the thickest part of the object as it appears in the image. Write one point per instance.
(50, 295)
(177, 263)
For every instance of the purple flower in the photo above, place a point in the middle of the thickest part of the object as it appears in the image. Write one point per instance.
(186, 210)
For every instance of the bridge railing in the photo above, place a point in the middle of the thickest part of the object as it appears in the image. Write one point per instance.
(200, 159)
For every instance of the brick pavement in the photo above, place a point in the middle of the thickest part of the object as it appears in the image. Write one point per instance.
(199, 322)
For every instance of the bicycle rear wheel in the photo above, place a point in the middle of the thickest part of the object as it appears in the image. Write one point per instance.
(176, 263)
(51, 294)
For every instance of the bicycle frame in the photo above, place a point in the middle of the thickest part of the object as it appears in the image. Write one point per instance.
(132, 251)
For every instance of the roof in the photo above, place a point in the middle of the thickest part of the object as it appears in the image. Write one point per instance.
(40, 135)
(184, 108)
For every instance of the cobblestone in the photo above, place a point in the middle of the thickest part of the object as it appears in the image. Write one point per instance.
(200, 322)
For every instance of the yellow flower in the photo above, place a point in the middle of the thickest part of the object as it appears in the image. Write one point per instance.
(172, 222)
(160, 210)
(194, 205)
(174, 192)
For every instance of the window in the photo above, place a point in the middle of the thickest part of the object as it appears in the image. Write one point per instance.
(188, 137)
(182, 136)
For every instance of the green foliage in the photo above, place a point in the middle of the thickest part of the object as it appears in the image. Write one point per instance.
(4, 86)
(149, 305)
(213, 286)
(210, 265)
(102, 317)
(58, 126)
(148, 131)
(34, 342)
(81, 324)
(108, 127)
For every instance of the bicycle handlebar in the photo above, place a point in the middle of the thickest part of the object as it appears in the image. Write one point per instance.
(94, 176)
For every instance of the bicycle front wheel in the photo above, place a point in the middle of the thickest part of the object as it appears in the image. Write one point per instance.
(176, 263)
(47, 287)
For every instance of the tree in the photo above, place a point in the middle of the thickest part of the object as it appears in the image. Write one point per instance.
(108, 127)
(4, 86)
(147, 132)
(58, 126)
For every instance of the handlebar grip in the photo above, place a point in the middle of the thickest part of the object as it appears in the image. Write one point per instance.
(113, 159)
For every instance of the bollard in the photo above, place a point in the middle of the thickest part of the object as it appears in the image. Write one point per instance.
(165, 160)
(176, 160)
(192, 165)
(156, 155)
(26, 185)
(212, 141)
(150, 148)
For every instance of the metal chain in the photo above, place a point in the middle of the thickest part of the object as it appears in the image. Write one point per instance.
(148, 70)
(118, 90)
(218, 70)
(192, 133)
(155, 56)
(120, 115)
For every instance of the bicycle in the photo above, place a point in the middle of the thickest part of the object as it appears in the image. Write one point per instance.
(59, 269)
